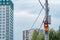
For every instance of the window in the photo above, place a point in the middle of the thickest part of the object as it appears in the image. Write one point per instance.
(3, 11)
(3, 37)
(27, 39)
(7, 7)
(3, 14)
(3, 2)
(0, 22)
(3, 34)
(0, 14)
(3, 8)
(0, 19)
(0, 8)
(0, 0)
(3, 25)
(0, 28)
(0, 37)
(7, 2)
(3, 28)
(3, 22)
(0, 11)
(7, 11)
(3, 19)
(3, 31)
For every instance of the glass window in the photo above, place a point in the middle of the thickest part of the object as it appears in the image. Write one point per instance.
(3, 11)
(3, 2)
(3, 19)
(7, 2)
(0, 28)
(3, 37)
(3, 28)
(0, 19)
(0, 22)
(3, 14)
(7, 7)
(3, 25)
(0, 14)
(3, 34)
(3, 8)
(0, 0)
(3, 22)
(0, 8)
(3, 31)
(27, 39)
(0, 37)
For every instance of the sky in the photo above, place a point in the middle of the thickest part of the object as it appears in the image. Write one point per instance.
(26, 11)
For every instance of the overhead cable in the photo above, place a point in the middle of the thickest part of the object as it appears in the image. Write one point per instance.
(37, 18)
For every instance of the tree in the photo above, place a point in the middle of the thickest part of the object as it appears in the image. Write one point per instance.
(58, 33)
(35, 34)
(53, 35)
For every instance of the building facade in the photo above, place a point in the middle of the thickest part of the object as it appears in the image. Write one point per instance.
(27, 34)
(6, 20)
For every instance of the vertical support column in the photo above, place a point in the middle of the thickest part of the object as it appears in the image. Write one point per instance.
(46, 28)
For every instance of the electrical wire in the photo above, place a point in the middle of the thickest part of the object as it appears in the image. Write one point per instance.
(41, 25)
(38, 14)
(37, 18)
(41, 4)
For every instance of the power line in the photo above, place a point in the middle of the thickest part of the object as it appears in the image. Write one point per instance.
(44, 17)
(38, 14)
(41, 25)
(37, 18)
(41, 4)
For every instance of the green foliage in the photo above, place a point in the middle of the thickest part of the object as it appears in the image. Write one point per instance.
(53, 35)
(35, 34)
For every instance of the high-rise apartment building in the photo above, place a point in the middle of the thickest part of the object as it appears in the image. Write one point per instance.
(27, 34)
(6, 20)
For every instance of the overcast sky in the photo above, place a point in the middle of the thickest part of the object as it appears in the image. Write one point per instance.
(26, 11)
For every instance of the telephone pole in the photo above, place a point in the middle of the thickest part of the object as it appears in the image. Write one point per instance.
(46, 21)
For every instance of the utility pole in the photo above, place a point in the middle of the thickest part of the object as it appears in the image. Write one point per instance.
(46, 22)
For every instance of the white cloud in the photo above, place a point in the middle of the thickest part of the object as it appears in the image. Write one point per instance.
(54, 1)
(36, 1)
(27, 14)
(24, 14)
